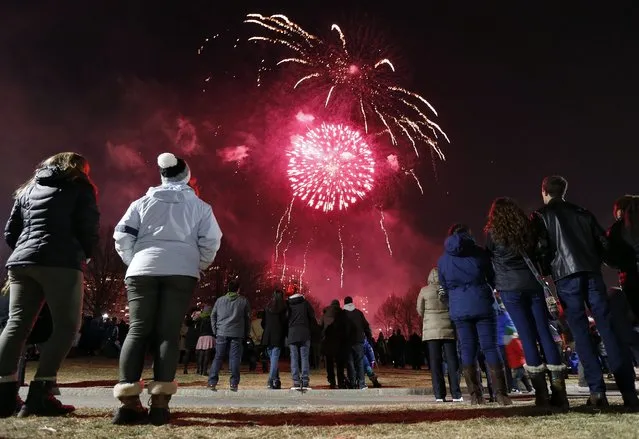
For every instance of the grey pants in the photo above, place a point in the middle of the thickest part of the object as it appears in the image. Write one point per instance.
(30, 287)
(157, 305)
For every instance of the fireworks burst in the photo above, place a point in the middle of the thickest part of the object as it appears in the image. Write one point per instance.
(331, 167)
(398, 111)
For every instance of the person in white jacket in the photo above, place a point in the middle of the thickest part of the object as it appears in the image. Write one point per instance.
(166, 238)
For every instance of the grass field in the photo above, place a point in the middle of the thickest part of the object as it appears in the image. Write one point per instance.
(415, 421)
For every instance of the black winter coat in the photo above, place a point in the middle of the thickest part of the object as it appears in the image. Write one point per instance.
(301, 320)
(335, 330)
(275, 326)
(511, 271)
(624, 255)
(54, 222)
(359, 330)
(578, 243)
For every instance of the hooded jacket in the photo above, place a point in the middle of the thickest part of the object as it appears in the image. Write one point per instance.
(467, 275)
(231, 316)
(301, 319)
(54, 222)
(360, 330)
(168, 232)
(437, 324)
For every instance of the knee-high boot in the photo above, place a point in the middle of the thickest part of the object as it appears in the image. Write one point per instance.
(538, 377)
(498, 378)
(472, 383)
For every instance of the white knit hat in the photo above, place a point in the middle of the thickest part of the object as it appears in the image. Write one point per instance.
(173, 169)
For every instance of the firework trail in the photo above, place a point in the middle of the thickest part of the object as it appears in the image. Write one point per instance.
(341, 262)
(382, 225)
(331, 167)
(284, 255)
(280, 236)
(308, 245)
(419, 184)
(401, 112)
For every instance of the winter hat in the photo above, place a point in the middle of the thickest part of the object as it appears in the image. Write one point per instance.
(173, 169)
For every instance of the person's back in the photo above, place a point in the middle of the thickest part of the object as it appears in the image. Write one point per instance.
(231, 316)
(231, 323)
(54, 221)
(465, 272)
(578, 241)
(299, 323)
(359, 325)
(176, 233)
(433, 308)
(579, 245)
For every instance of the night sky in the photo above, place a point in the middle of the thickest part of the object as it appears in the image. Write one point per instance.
(522, 91)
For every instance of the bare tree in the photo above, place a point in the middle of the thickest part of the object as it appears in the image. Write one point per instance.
(104, 277)
(400, 312)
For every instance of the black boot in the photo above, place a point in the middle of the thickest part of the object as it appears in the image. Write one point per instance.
(206, 362)
(199, 357)
(40, 401)
(498, 378)
(10, 401)
(538, 378)
(472, 383)
(160, 396)
(375, 381)
(597, 399)
(559, 396)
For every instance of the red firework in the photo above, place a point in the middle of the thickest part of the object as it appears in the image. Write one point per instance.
(331, 167)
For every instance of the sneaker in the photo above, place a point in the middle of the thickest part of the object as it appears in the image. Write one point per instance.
(364, 388)
(439, 400)
(460, 399)
(296, 387)
(306, 388)
(212, 387)
(233, 388)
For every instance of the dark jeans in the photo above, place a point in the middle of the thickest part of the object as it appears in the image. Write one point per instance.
(337, 360)
(274, 373)
(449, 349)
(477, 332)
(528, 312)
(356, 365)
(590, 288)
(30, 287)
(157, 305)
(234, 346)
(300, 351)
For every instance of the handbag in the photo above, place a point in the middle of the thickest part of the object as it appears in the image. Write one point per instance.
(551, 302)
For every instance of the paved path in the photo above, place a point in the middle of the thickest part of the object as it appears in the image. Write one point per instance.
(102, 397)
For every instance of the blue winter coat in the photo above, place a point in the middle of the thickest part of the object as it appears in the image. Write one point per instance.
(466, 274)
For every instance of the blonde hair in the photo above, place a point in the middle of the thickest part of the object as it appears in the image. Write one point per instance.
(73, 165)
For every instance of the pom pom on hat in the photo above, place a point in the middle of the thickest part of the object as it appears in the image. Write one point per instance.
(173, 169)
(167, 160)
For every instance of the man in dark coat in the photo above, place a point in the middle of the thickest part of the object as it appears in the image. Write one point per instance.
(360, 331)
(577, 247)
(334, 332)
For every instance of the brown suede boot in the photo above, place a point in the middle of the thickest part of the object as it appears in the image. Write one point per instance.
(498, 378)
(559, 396)
(538, 378)
(472, 383)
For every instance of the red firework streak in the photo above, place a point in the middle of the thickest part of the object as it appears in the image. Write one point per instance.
(331, 167)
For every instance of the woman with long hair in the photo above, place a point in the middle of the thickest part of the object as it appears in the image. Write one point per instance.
(275, 328)
(166, 238)
(466, 275)
(511, 237)
(623, 236)
(53, 229)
